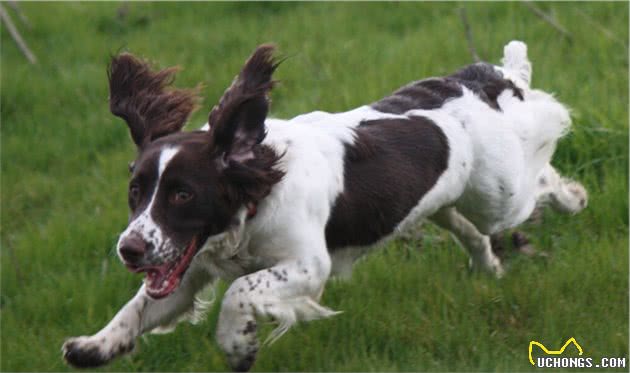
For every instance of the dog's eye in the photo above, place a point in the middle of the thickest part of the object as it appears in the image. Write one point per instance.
(134, 194)
(180, 196)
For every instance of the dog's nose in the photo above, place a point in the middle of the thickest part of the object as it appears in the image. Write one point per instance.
(132, 249)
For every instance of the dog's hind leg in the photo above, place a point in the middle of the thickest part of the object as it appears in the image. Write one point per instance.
(141, 314)
(477, 244)
(562, 194)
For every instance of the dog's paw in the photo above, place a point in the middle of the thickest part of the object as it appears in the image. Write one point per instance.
(496, 268)
(90, 352)
(580, 194)
(241, 354)
(571, 199)
(489, 264)
(242, 363)
(240, 346)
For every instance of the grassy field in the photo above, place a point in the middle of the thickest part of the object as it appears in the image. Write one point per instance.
(64, 175)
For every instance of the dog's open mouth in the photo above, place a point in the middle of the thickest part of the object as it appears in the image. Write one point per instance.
(161, 280)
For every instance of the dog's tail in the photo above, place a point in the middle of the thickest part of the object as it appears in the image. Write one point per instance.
(515, 61)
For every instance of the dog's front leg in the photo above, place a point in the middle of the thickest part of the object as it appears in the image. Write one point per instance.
(141, 314)
(286, 293)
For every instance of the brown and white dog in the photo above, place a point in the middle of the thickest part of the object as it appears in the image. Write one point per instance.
(277, 206)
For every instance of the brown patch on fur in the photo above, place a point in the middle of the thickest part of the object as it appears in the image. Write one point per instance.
(252, 180)
(389, 167)
(424, 94)
(432, 93)
(143, 99)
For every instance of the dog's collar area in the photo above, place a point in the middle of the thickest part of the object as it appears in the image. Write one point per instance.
(252, 209)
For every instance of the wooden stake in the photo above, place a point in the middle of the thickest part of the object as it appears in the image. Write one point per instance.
(6, 19)
(549, 19)
(16, 8)
(469, 38)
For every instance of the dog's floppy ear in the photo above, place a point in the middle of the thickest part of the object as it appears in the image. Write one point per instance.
(142, 98)
(237, 122)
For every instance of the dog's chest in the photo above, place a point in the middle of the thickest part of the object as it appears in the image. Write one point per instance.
(229, 257)
(230, 268)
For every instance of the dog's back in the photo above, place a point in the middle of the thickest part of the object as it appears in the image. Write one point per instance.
(478, 139)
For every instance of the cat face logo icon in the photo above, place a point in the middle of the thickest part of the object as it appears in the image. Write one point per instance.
(553, 352)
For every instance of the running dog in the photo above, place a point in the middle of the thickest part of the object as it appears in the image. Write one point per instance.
(276, 207)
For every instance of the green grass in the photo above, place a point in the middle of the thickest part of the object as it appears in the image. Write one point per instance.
(64, 171)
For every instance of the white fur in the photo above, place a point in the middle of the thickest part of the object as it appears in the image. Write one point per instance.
(509, 149)
(516, 66)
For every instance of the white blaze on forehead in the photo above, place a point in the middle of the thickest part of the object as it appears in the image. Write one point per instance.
(165, 157)
(144, 225)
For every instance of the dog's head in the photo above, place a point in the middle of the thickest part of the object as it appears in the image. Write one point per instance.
(187, 187)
